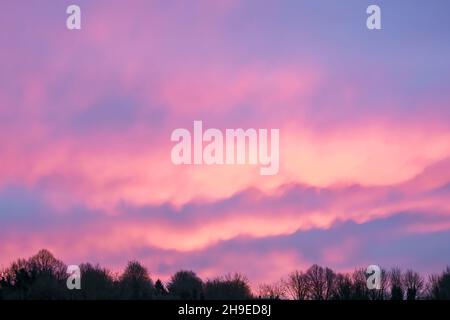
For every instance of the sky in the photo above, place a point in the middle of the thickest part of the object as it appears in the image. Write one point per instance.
(364, 116)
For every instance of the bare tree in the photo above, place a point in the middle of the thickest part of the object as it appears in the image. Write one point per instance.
(316, 280)
(432, 287)
(273, 291)
(321, 282)
(330, 282)
(382, 293)
(413, 283)
(360, 290)
(396, 282)
(343, 287)
(439, 286)
(297, 286)
(44, 263)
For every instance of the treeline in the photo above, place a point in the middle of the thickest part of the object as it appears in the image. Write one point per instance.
(44, 277)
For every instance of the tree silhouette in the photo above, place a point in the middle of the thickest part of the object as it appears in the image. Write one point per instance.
(382, 293)
(160, 289)
(45, 263)
(3, 283)
(186, 285)
(135, 282)
(396, 282)
(413, 283)
(234, 287)
(343, 287)
(96, 283)
(42, 276)
(297, 286)
(17, 280)
(440, 286)
(359, 284)
(273, 291)
(321, 282)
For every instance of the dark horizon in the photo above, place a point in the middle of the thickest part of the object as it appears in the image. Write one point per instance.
(44, 277)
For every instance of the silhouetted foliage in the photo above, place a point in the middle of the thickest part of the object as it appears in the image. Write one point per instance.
(2, 284)
(40, 277)
(160, 289)
(135, 282)
(229, 287)
(273, 291)
(97, 284)
(440, 286)
(44, 277)
(186, 285)
(383, 292)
